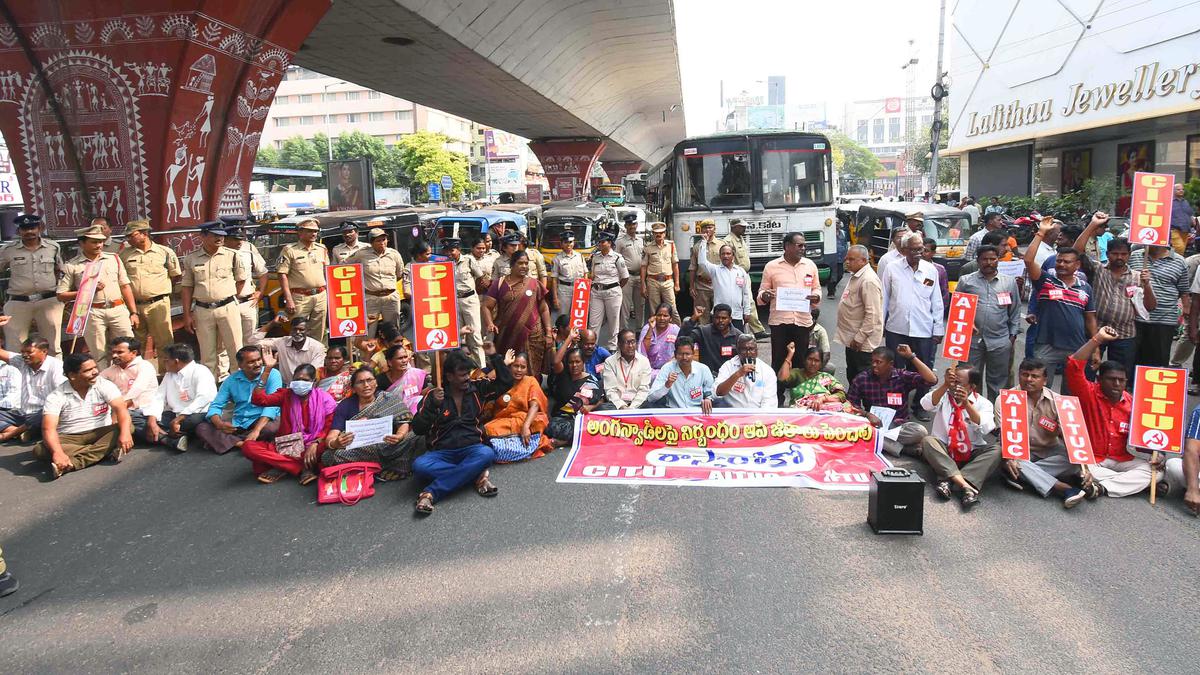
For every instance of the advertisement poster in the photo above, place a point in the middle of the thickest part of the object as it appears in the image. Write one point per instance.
(351, 187)
(347, 303)
(1131, 158)
(733, 448)
(1076, 168)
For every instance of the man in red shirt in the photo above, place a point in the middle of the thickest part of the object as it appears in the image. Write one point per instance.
(1107, 409)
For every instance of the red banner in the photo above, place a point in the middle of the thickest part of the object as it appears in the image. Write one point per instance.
(960, 326)
(533, 193)
(824, 450)
(1159, 402)
(435, 307)
(581, 301)
(1014, 424)
(1150, 208)
(83, 301)
(1074, 430)
(347, 304)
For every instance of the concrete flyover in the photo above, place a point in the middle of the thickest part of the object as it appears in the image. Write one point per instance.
(544, 69)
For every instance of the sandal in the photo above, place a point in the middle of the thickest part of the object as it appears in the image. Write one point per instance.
(970, 499)
(270, 476)
(425, 503)
(942, 487)
(389, 475)
(307, 476)
(484, 486)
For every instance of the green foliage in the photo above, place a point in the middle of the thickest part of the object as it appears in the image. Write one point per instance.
(852, 159)
(1096, 194)
(385, 161)
(1191, 191)
(918, 148)
(425, 160)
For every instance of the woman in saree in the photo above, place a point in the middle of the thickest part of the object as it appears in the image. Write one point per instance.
(516, 313)
(657, 340)
(305, 415)
(518, 418)
(575, 391)
(396, 452)
(334, 376)
(811, 388)
(402, 377)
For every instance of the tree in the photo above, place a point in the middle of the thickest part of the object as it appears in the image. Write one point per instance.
(922, 157)
(852, 159)
(425, 160)
(267, 156)
(298, 153)
(385, 164)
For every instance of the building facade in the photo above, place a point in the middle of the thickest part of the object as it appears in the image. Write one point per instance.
(1101, 94)
(884, 126)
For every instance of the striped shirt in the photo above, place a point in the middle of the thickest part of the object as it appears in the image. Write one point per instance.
(1113, 305)
(1060, 309)
(1169, 280)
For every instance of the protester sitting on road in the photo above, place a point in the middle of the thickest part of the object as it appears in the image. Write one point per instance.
(657, 339)
(886, 386)
(387, 334)
(811, 388)
(746, 381)
(627, 375)
(8, 583)
(40, 375)
(295, 349)
(304, 410)
(959, 449)
(249, 422)
(395, 454)
(135, 377)
(593, 356)
(574, 390)
(334, 376)
(1107, 412)
(451, 420)
(182, 399)
(10, 394)
(716, 341)
(402, 376)
(518, 419)
(1183, 473)
(684, 382)
(1049, 456)
(77, 422)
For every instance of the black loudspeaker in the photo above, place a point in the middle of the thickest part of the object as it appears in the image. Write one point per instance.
(897, 502)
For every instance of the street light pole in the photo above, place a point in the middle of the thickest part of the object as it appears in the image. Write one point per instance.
(939, 93)
(328, 137)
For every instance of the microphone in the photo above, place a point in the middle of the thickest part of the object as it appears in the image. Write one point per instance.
(749, 375)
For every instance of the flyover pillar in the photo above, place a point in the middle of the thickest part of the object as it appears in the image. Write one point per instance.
(142, 108)
(568, 165)
(618, 170)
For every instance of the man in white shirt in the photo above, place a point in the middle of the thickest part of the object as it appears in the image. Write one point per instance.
(40, 375)
(135, 377)
(293, 350)
(10, 393)
(181, 401)
(731, 286)
(959, 450)
(912, 308)
(914, 222)
(971, 210)
(745, 381)
(77, 423)
(626, 375)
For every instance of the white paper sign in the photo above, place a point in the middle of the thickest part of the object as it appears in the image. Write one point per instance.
(885, 415)
(792, 299)
(1012, 268)
(368, 431)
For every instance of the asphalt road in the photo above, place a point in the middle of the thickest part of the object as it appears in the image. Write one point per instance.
(186, 564)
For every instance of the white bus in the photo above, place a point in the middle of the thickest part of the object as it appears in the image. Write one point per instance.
(775, 181)
(635, 188)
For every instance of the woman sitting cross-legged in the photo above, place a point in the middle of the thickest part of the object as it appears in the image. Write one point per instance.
(575, 390)
(396, 452)
(305, 410)
(812, 388)
(518, 418)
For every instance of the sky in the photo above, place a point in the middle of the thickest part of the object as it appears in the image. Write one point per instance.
(831, 52)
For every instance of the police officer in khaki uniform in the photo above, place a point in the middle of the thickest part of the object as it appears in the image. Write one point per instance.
(152, 269)
(631, 246)
(466, 275)
(34, 265)
(213, 279)
(567, 266)
(302, 276)
(609, 275)
(741, 258)
(537, 261)
(508, 246)
(660, 271)
(383, 267)
(701, 284)
(114, 312)
(350, 245)
(255, 265)
(110, 246)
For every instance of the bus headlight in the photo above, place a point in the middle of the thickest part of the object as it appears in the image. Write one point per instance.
(684, 226)
(828, 222)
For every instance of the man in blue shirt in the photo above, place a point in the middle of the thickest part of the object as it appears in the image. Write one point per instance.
(593, 356)
(683, 383)
(1184, 472)
(1183, 219)
(1065, 308)
(249, 422)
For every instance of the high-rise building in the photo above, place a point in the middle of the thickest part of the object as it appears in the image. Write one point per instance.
(776, 92)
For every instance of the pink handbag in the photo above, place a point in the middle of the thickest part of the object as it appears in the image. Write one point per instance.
(346, 483)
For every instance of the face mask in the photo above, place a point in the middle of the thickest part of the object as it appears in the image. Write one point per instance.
(300, 387)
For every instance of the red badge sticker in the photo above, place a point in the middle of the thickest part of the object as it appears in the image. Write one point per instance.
(696, 394)
(1056, 294)
(727, 350)
(99, 409)
(1004, 298)
(895, 398)
(1048, 424)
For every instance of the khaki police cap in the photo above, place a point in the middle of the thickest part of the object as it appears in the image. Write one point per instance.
(92, 232)
(136, 225)
(375, 232)
(917, 216)
(309, 224)
(658, 227)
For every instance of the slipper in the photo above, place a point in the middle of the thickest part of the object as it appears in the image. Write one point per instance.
(942, 488)
(307, 476)
(271, 476)
(484, 486)
(424, 504)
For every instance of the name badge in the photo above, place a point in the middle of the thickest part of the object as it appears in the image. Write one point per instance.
(727, 351)
(1123, 427)
(99, 409)
(1004, 298)
(846, 294)
(670, 339)
(1130, 291)
(741, 281)
(599, 368)
(627, 396)
(1056, 294)
(808, 280)
(1048, 424)
(739, 387)
(412, 390)
(894, 398)
(928, 282)
(696, 394)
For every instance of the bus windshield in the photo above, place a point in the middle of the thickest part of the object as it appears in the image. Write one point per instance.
(715, 174)
(635, 190)
(795, 172)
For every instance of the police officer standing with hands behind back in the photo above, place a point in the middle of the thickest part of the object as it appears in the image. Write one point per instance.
(301, 272)
(565, 269)
(213, 278)
(631, 247)
(609, 275)
(153, 269)
(34, 265)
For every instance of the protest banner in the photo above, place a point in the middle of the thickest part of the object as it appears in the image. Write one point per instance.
(347, 304)
(1074, 430)
(1159, 396)
(1150, 208)
(83, 301)
(1014, 424)
(435, 307)
(734, 448)
(581, 301)
(960, 326)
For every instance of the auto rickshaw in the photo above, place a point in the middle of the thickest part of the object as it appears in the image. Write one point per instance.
(948, 226)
